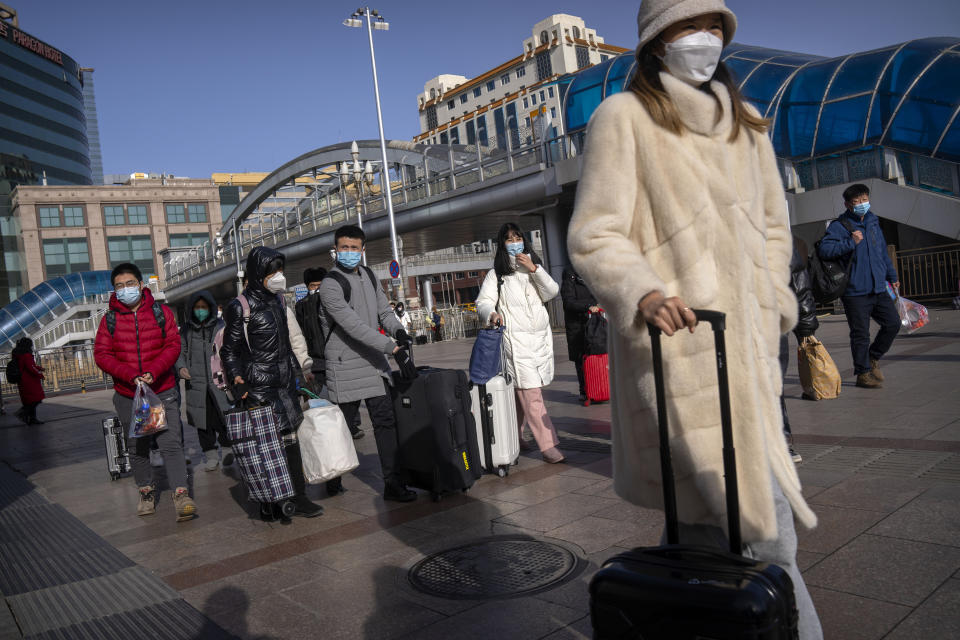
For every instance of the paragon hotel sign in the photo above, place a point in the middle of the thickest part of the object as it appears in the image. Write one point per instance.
(9, 32)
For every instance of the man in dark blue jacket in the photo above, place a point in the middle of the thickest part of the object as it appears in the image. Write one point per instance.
(866, 296)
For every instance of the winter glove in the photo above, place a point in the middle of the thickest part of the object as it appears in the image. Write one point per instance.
(403, 339)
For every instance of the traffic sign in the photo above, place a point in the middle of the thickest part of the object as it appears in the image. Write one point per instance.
(394, 269)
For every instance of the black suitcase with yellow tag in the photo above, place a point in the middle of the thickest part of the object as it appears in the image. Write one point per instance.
(437, 435)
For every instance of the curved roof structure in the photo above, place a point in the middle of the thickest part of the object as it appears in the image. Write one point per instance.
(45, 301)
(904, 96)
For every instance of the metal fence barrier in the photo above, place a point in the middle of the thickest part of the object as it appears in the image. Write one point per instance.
(930, 274)
(68, 368)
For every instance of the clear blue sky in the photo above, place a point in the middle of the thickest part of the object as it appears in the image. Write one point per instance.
(232, 85)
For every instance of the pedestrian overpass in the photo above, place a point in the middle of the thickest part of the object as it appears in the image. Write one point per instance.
(888, 117)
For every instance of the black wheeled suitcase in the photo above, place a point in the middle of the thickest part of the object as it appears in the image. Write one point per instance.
(437, 435)
(685, 592)
(115, 442)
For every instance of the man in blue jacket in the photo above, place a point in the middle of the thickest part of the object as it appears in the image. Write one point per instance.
(866, 296)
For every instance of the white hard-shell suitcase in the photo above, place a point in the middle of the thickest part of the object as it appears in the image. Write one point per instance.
(115, 441)
(494, 407)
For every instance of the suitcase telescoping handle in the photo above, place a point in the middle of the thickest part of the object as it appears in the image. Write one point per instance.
(717, 320)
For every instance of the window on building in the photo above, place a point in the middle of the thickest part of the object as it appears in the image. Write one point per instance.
(526, 121)
(474, 274)
(65, 255)
(471, 132)
(49, 216)
(73, 216)
(188, 239)
(576, 31)
(482, 130)
(176, 214)
(477, 91)
(533, 98)
(553, 113)
(432, 117)
(454, 135)
(526, 103)
(544, 66)
(113, 215)
(451, 105)
(492, 85)
(136, 214)
(197, 212)
(550, 91)
(543, 97)
(504, 79)
(444, 138)
(461, 275)
(522, 71)
(604, 57)
(135, 249)
(583, 57)
(435, 279)
(544, 37)
(463, 98)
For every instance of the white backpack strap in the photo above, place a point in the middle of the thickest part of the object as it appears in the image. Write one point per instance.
(245, 305)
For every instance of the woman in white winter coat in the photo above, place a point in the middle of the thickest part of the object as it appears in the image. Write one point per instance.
(513, 294)
(680, 205)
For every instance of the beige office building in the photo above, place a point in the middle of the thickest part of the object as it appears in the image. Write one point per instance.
(70, 228)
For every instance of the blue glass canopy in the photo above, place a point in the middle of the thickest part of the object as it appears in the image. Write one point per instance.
(45, 301)
(904, 96)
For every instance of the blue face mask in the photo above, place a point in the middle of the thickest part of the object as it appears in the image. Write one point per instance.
(349, 259)
(201, 314)
(129, 295)
(514, 248)
(861, 209)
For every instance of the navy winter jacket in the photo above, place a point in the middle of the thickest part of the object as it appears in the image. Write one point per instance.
(872, 267)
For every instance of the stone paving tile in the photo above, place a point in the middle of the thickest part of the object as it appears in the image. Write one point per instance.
(594, 534)
(835, 528)
(369, 549)
(520, 618)
(475, 513)
(579, 630)
(543, 490)
(602, 488)
(360, 605)
(871, 492)
(950, 432)
(933, 517)
(851, 617)
(821, 477)
(271, 617)
(575, 594)
(938, 617)
(807, 559)
(889, 569)
(556, 512)
(811, 490)
(275, 532)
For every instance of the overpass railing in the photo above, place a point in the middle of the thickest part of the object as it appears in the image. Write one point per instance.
(931, 273)
(443, 170)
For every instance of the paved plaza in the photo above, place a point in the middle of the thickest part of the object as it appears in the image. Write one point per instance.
(881, 469)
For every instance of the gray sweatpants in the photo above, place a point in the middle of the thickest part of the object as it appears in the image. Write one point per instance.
(781, 552)
(169, 441)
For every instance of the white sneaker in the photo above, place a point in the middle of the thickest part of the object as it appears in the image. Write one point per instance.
(211, 464)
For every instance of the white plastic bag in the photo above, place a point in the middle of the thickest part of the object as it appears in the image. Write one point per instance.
(325, 444)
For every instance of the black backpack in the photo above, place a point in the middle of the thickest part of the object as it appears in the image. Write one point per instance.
(829, 278)
(13, 371)
(157, 314)
(595, 335)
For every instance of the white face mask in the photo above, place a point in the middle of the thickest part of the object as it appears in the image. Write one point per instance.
(277, 283)
(693, 58)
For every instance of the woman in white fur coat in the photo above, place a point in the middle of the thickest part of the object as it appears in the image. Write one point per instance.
(680, 205)
(513, 294)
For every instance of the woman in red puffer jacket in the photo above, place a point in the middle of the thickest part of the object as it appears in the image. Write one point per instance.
(30, 387)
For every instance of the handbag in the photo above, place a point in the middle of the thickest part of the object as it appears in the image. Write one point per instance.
(325, 444)
(819, 375)
(485, 356)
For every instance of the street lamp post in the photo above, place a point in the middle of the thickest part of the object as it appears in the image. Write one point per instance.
(376, 21)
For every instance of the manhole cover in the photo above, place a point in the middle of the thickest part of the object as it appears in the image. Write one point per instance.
(501, 567)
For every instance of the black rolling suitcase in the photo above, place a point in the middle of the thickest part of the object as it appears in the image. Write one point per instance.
(692, 592)
(437, 435)
(115, 442)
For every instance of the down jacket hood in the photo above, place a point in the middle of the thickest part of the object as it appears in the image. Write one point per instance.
(212, 319)
(258, 263)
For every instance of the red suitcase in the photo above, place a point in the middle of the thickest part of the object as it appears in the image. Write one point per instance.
(596, 375)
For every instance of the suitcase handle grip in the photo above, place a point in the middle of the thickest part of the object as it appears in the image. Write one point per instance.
(717, 320)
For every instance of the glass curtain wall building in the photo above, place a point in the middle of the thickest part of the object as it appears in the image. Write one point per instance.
(43, 132)
(886, 113)
(93, 128)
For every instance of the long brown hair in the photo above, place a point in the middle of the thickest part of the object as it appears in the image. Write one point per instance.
(649, 89)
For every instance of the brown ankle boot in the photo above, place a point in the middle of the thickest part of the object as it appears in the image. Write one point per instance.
(868, 381)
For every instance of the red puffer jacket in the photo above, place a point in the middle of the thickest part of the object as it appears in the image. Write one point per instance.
(137, 346)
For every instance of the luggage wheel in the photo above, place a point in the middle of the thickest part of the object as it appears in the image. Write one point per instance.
(114, 475)
(503, 470)
(586, 402)
(287, 508)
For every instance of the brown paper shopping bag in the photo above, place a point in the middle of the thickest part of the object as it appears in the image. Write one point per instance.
(819, 376)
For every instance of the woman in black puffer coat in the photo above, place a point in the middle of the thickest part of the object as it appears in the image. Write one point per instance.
(800, 282)
(267, 363)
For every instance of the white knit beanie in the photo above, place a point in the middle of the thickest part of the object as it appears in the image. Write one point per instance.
(656, 15)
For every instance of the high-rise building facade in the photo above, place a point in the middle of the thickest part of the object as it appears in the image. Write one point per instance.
(43, 131)
(93, 127)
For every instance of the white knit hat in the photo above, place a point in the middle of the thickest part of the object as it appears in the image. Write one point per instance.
(656, 15)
